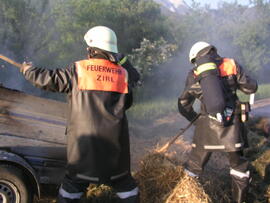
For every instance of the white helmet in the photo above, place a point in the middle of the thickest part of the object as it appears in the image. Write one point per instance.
(102, 37)
(196, 48)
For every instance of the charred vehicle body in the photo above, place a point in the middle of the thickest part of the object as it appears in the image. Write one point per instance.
(32, 144)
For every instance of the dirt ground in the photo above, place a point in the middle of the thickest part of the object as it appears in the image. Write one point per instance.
(144, 138)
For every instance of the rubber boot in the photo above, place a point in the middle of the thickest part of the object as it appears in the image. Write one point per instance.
(133, 199)
(239, 189)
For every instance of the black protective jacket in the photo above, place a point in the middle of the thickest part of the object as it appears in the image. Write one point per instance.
(97, 127)
(209, 133)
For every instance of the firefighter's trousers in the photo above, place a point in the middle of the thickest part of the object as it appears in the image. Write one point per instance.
(238, 170)
(72, 190)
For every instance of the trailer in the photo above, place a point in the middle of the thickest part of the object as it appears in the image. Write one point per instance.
(32, 144)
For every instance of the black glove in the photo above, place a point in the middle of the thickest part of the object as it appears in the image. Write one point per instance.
(26, 66)
(119, 58)
(133, 75)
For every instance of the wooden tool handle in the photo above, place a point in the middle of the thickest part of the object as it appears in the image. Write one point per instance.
(18, 65)
(168, 144)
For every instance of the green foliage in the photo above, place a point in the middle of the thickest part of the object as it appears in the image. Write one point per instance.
(50, 32)
(25, 30)
(151, 54)
(148, 60)
(131, 20)
(237, 31)
(23, 26)
(253, 39)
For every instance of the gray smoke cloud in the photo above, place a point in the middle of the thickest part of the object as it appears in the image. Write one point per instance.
(225, 31)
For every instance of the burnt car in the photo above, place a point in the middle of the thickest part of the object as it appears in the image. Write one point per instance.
(32, 144)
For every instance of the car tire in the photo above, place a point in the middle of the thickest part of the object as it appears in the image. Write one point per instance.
(14, 186)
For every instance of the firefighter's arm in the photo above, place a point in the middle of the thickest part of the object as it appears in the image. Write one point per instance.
(185, 108)
(133, 74)
(245, 83)
(129, 100)
(57, 80)
(186, 100)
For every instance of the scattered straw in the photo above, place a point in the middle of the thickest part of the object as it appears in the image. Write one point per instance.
(188, 190)
(160, 180)
(100, 194)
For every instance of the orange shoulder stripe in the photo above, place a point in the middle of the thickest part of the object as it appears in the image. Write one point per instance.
(102, 75)
(228, 67)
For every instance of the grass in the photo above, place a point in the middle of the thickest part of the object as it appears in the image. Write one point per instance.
(154, 109)
(262, 93)
(145, 111)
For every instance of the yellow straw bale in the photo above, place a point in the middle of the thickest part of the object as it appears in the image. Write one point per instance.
(160, 181)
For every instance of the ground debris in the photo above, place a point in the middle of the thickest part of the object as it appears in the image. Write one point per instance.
(161, 180)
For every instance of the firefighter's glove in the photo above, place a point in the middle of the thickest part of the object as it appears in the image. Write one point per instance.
(134, 76)
(26, 66)
(121, 59)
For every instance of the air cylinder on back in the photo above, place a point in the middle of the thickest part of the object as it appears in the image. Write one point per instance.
(212, 91)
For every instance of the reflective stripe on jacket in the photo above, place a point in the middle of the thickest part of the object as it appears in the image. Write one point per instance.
(97, 127)
(209, 134)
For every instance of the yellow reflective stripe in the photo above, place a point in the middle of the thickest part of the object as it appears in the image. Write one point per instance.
(205, 67)
(122, 61)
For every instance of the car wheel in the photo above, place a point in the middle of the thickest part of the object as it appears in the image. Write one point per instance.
(14, 187)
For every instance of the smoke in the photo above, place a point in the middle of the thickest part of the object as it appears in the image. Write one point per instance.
(219, 27)
(10, 76)
(25, 36)
(236, 31)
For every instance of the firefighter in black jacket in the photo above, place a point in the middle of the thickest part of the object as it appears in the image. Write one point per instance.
(99, 93)
(214, 81)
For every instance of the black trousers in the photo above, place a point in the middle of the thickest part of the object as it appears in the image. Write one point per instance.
(239, 170)
(73, 188)
(199, 157)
